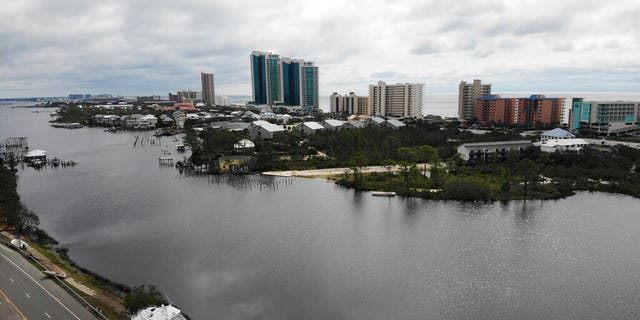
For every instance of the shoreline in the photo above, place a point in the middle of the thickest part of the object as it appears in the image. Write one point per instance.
(332, 172)
(85, 286)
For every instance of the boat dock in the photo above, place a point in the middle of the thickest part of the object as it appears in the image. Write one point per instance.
(165, 161)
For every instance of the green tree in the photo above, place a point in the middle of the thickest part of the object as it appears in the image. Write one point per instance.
(390, 147)
(356, 163)
(527, 171)
(426, 154)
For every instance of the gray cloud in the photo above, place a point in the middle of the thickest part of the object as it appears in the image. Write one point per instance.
(145, 46)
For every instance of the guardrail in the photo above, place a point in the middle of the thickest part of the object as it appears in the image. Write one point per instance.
(65, 286)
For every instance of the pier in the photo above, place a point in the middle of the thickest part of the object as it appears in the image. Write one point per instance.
(165, 161)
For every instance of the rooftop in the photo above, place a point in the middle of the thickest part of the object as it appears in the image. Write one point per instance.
(564, 142)
(313, 125)
(268, 126)
(558, 133)
(495, 143)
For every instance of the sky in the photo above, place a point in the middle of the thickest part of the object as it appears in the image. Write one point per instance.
(54, 48)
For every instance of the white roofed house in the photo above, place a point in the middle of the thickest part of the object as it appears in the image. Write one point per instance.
(264, 130)
(353, 124)
(375, 121)
(166, 120)
(563, 145)
(394, 124)
(36, 155)
(146, 122)
(332, 124)
(131, 121)
(309, 127)
(243, 146)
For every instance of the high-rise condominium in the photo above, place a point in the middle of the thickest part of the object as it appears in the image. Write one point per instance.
(468, 93)
(277, 80)
(208, 89)
(349, 104)
(396, 100)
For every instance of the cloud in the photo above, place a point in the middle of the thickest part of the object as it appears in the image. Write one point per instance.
(143, 47)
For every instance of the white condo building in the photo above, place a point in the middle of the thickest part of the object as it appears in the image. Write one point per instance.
(396, 100)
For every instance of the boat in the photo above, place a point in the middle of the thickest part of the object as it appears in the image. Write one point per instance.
(18, 244)
(383, 193)
(168, 312)
(55, 274)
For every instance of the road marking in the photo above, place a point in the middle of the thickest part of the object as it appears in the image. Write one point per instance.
(28, 296)
(48, 316)
(12, 281)
(13, 305)
(39, 285)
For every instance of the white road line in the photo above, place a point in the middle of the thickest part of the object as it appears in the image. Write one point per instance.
(39, 285)
(48, 316)
(28, 296)
(12, 281)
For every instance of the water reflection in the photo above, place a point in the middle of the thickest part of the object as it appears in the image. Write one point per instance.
(246, 247)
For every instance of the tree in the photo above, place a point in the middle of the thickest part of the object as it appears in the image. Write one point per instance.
(142, 297)
(454, 162)
(527, 171)
(390, 147)
(356, 163)
(388, 164)
(407, 154)
(426, 153)
(26, 222)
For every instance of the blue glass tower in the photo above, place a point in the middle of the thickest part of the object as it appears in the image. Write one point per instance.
(277, 80)
(259, 78)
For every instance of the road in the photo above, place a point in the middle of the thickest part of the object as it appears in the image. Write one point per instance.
(612, 143)
(32, 294)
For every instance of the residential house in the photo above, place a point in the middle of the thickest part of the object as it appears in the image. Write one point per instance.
(394, 124)
(556, 134)
(234, 163)
(332, 124)
(263, 130)
(309, 127)
(353, 124)
(375, 121)
(563, 145)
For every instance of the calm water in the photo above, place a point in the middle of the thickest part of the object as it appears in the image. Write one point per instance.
(272, 248)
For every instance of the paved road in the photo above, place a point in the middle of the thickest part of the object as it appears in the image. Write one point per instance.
(612, 143)
(34, 295)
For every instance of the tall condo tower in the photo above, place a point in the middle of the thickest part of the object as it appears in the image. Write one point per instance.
(309, 87)
(277, 80)
(208, 89)
(396, 100)
(468, 93)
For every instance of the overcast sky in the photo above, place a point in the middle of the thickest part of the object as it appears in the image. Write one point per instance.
(57, 47)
